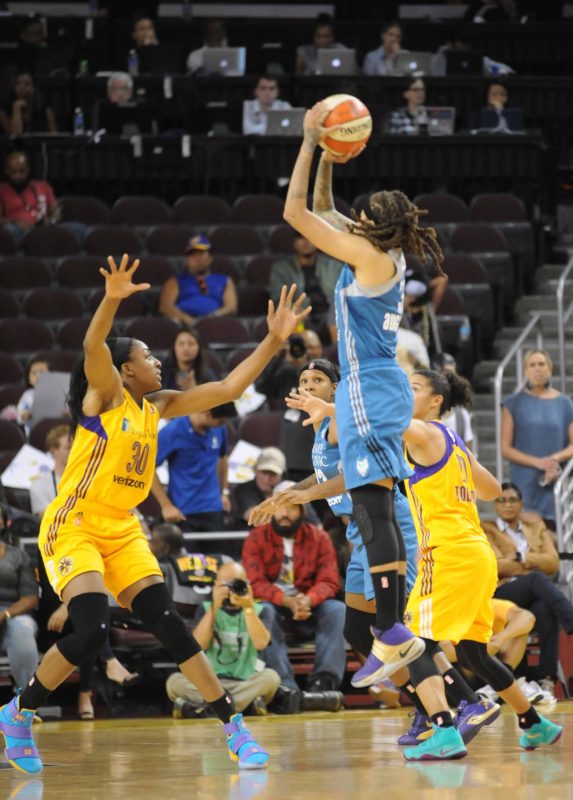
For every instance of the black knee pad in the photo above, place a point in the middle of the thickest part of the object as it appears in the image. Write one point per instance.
(89, 614)
(156, 610)
(357, 626)
(371, 504)
(474, 656)
(423, 667)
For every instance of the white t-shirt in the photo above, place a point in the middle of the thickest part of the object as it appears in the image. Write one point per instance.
(255, 119)
(285, 579)
(519, 538)
(411, 352)
(42, 491)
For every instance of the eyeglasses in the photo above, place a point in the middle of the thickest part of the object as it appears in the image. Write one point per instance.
(512, 501)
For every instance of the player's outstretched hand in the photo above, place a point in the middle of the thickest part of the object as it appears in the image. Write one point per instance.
(335, 158)
(288, 314)
(316, 408)
(262, 513)
(118, 283)
(314, 130)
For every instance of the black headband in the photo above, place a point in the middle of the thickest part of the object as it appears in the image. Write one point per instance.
(322, 365)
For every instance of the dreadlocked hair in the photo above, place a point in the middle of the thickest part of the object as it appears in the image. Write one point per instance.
(393, 222)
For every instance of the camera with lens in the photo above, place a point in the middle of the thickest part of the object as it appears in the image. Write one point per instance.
(238, 586)
(296, 346)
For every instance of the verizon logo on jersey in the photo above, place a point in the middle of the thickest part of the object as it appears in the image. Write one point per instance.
(123, 481)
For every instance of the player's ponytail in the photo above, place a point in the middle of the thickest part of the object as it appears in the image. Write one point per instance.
(455, 390)
(120, 349)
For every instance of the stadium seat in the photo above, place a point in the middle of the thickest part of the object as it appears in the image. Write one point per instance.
(261, 428)
(10, 394)
(140, 210)
(282, 238)
(50, 241)
(23, 272)
(154, 270)
(24, 336)
(213, 363)
(497, 207)
(60, 360)
(253, 301)
(112, 240)
(442, 207)
(158, 333)
(261, 330)
(46, 303)
(236, 240)
(201, 210)
(134, 306)
(9, 306)
(80, 272)
(71, 334)
(258, 209)
(468, 276)
(37, 437)
(11, 435)
(258, 272)
(10, 369)
(89, 210)
(223, 265)
(168, 240)
(237, 356)
(222, 331)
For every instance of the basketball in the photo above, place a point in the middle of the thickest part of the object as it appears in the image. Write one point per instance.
(356, 124)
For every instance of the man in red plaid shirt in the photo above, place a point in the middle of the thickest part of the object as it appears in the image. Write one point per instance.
(292, 567)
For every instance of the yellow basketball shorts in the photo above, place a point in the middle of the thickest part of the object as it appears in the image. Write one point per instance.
(83, 540)
(451, 598)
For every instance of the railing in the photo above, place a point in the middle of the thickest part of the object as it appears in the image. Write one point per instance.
(515, 350)
(562, 319)
(563, 493)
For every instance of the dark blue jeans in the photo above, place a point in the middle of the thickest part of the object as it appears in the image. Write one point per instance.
(325, 624)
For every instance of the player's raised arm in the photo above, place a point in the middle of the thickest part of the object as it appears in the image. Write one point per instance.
(103, 379)
(281, 321)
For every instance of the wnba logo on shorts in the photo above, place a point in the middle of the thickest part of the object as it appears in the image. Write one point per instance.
(362, 467)
(64, 565)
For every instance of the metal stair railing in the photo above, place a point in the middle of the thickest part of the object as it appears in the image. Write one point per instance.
(563, 493)
(563, 316)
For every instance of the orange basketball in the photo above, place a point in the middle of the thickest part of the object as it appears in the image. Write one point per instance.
(356, 124)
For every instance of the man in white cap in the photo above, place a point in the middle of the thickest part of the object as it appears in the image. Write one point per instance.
(269, 469)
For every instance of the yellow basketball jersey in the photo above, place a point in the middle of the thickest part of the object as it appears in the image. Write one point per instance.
(112, 460)
(442, 497)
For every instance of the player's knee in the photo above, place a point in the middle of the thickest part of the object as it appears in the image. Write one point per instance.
(489, 668)
(422, 668)
(89, 614)
(369, 503)
(156, 610)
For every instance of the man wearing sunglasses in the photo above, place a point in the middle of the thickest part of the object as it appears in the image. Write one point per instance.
(527, 560)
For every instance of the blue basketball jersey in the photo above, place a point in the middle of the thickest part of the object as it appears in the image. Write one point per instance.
(326, 464)
(368, 317)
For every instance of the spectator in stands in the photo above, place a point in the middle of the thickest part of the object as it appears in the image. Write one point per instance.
(526, 560)
(411, 119)
(496, 115)
(45, 487)
(197, 292)
(269, 469)
(35, 368)
(119, 88)
(460, 43)
(143, 32)
(491, 11)
(382, 61)
(314, 347)
(232, 633)
(214, 35)
(266, 99)
(26, 111)
(25, 202)
(411, 351)
(537, 435)
(32, 42)
(322, 39)
(186, 364)
(313, 272)
(18, 601)
(196, 450)
(457, 419)
(292, 566)
(189, 576)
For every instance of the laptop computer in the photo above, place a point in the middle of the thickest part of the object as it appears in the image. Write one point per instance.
(287, 122)
(512, 120)
(407, 63)
(464, 62)
(228, 61)
(335, 61)
(441, 120)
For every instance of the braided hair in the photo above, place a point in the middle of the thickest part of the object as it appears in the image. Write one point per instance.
(393, 222)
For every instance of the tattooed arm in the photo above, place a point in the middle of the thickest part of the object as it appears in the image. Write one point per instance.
(322, 199)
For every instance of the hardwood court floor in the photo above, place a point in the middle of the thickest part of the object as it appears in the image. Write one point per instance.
(315, 756)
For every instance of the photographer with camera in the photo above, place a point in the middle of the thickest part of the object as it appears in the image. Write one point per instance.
(231, 634)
